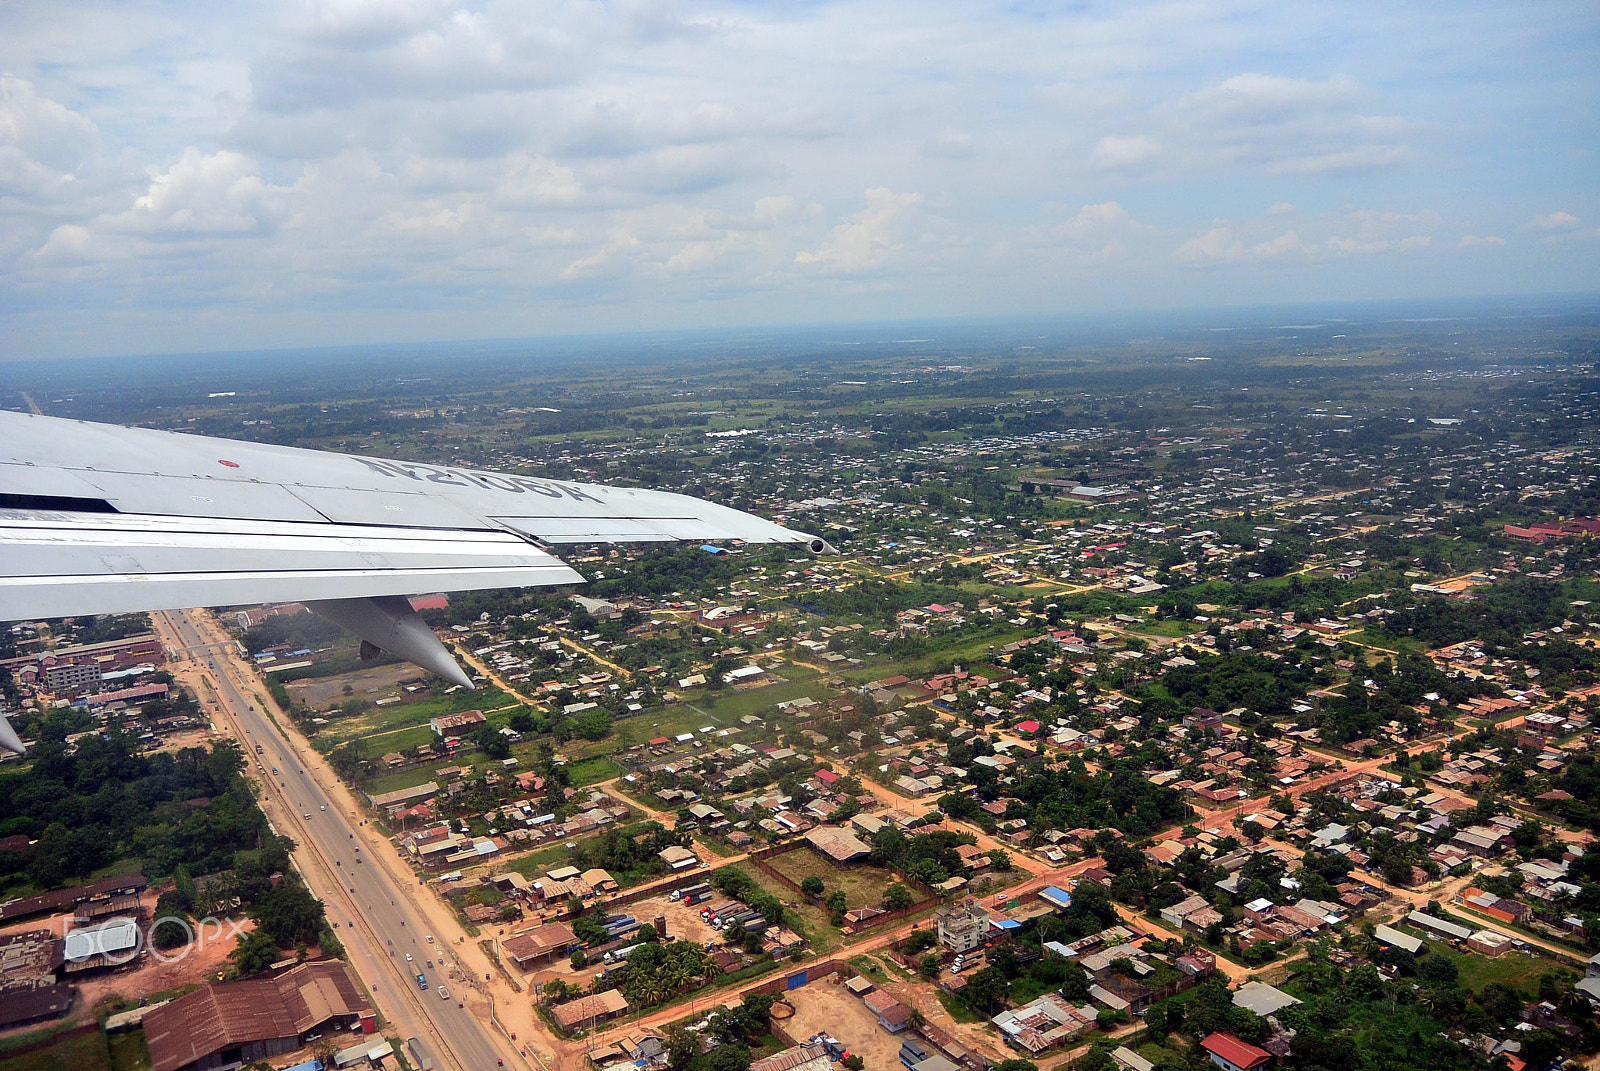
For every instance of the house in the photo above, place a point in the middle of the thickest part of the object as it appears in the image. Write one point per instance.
(1128, 1060)
(256, 1018)
(799, 1058)
(1044, 1023)
(1262, 999)
(537, 945)
(838, 845)
(678, 858)
(1231, 1054)
(963, 926)
(892, 1015)
(1178, 912)
(590, 1011)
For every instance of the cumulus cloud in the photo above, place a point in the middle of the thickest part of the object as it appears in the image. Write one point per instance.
(1469, 241)
(868, 239)
(663, 155)
(43, 129)
(1556, 221)
(218, 193)
(1111, 153)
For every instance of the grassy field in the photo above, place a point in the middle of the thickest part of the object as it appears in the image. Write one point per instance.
(384, 724)
(1513, 968)
(813, 921)
(80, 1052)
(129, 1051)
(863, 885)
(592, 771)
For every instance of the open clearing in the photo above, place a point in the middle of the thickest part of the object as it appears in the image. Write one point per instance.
(824, 1007)
(863, 885)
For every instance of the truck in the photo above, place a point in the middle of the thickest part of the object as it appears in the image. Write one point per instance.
(421, 1055)
(422, 981)
(617, 955)
(260, 750)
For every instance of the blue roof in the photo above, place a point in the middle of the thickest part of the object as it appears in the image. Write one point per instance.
(1059, 897)
(1007, 924)
(709, 549)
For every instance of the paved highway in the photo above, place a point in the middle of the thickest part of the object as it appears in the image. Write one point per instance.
(386, 936)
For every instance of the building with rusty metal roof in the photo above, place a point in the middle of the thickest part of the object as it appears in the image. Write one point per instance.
(256, 1018)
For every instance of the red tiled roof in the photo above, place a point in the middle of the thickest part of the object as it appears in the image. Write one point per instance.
(1236, 1052)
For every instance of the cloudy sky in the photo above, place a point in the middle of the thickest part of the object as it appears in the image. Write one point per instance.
(203, 175)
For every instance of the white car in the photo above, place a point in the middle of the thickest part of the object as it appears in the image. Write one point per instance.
(408, 957)
(444, 994)
(430, 938)
(308, 815)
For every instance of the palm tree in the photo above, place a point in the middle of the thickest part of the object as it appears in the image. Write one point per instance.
(916, 1020)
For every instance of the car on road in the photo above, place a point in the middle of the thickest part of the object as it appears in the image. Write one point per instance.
(408, 957)
(308, 814)
(444, 994)
(430, 938)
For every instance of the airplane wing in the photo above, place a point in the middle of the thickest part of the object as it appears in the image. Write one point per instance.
(96, 518)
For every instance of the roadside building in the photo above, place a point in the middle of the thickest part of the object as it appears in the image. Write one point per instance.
(586, 1012)
(838, 845)
(1231, 1054)
(537, 945)
(256, 1018)
(963, 926)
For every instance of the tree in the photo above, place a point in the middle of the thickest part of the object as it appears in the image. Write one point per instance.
(835, 902)
(897, 896)
(812, 887)
(928, 967)
(492, 742)
(172, 916)
(290, 913)
(987, 990)
(1003, 958)
(255, 952)
(579, 958)
(682, 1046)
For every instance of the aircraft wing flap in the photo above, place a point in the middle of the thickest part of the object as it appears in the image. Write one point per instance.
(346, 505)
(588, 529)
(196, 496)
(69, 564)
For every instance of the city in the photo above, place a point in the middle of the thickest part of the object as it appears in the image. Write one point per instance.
(1129, 726)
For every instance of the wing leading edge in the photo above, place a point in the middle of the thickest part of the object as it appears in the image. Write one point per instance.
(96, 518)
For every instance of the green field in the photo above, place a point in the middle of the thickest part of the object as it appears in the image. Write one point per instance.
(592, 771)
(863, 885)
(129, 1051)
(1517, 969)
(79, 1052)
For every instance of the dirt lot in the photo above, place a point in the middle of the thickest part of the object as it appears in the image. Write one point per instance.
(318, 692)
(198, 967)
(683, 922)
(825, 1008)
(863, 885)
(176, 742)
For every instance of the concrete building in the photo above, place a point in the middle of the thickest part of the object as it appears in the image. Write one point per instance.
(963, 926)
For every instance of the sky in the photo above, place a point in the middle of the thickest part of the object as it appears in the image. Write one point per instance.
(216, 176)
